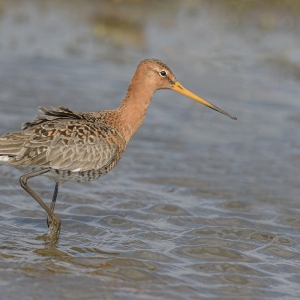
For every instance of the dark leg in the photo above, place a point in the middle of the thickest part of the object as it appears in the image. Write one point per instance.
(49, 220)
(55, 224)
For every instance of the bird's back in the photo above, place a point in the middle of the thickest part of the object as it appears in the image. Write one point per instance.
(76, 146)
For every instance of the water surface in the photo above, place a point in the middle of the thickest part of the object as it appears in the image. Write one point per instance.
(200, 206)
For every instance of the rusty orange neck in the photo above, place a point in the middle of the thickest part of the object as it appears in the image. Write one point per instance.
(133, 108)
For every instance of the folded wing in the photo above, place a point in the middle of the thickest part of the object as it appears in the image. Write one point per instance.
(62, 139)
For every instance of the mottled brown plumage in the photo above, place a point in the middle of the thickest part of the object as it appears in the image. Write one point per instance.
(66, 141)
(77, 146)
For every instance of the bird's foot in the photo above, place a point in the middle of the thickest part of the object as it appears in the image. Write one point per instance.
(54, 224)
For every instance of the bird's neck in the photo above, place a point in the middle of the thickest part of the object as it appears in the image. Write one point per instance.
(134, 106)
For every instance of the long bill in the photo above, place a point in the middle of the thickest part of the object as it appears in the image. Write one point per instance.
(179, 88)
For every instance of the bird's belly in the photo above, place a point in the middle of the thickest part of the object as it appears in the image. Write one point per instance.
(62, 176)
(81, 176)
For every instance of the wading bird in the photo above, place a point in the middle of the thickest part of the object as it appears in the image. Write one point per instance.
(82, 146)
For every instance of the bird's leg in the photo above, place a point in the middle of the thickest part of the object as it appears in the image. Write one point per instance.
(49, 220)
(55, 224)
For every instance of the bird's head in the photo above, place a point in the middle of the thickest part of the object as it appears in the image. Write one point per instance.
(160, 76)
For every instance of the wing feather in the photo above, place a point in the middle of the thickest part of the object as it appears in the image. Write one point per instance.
(63, 140)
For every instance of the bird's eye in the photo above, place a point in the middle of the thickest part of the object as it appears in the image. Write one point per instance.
(163, 73)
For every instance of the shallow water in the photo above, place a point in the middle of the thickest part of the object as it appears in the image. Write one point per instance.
(200, 206)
